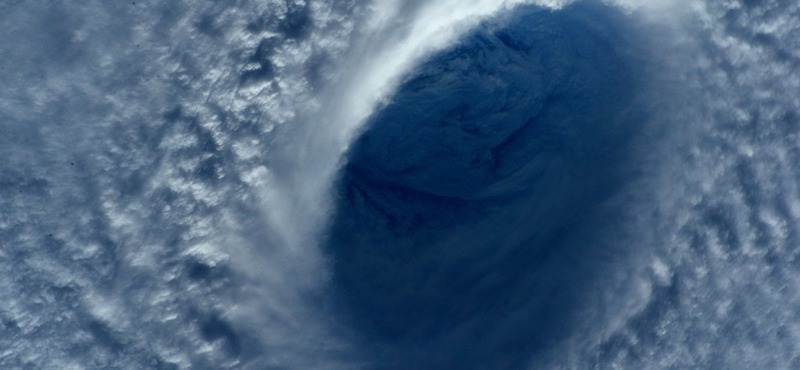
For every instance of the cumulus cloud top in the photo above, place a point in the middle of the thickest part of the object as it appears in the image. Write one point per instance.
(168, 169)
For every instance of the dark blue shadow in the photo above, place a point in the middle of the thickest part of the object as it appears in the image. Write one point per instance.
(466, 209)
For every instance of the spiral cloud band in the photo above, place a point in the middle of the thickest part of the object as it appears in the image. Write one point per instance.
(399, 184)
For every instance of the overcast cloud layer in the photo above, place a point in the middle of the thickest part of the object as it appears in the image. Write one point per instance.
(399, 185)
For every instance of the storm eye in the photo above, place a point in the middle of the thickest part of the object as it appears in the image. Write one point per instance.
(464, 191)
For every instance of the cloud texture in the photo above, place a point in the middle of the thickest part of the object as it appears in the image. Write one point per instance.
(399, 184)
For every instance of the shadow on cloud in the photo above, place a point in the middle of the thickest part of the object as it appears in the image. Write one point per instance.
(464, 233)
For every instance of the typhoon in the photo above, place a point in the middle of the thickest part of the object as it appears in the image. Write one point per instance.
(400, 184)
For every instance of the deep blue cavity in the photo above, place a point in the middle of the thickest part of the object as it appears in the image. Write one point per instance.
(466, 210)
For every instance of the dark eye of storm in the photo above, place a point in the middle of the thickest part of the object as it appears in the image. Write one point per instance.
(465, 201)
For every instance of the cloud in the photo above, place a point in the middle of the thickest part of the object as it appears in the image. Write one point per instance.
(168, 170)
(728, 229)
